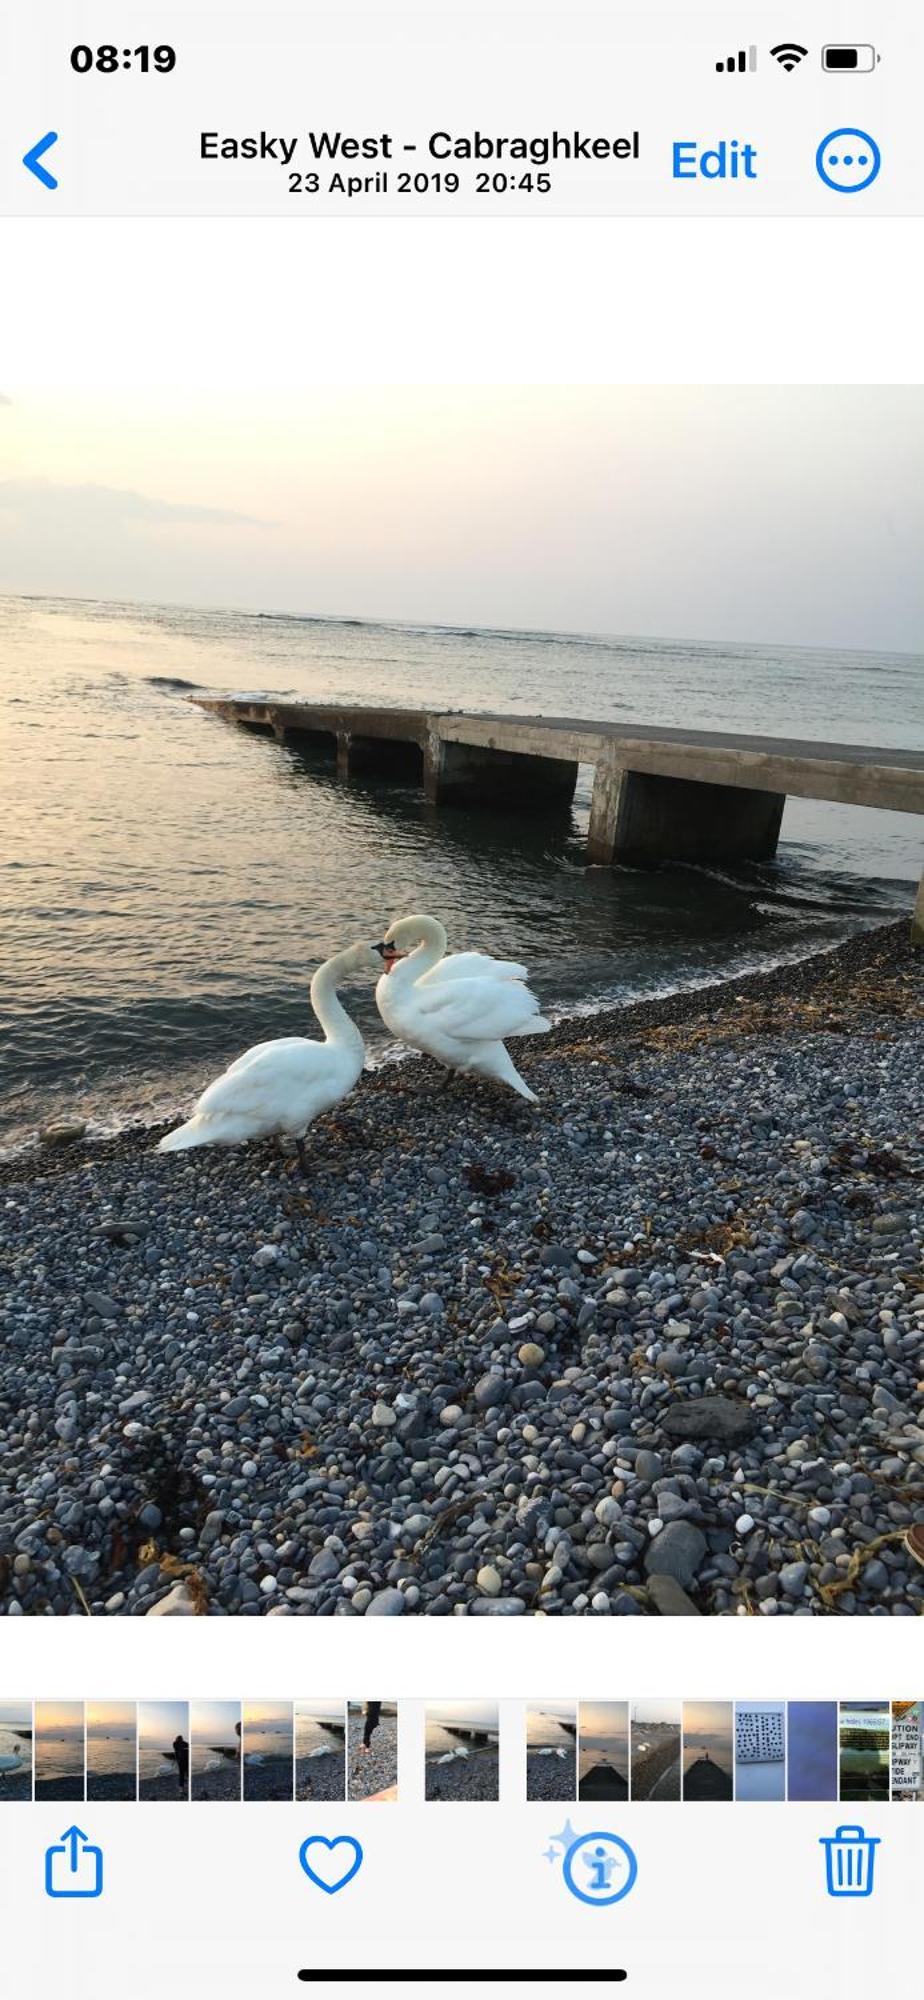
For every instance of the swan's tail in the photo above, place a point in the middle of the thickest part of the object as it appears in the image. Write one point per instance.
(196, 1132)
(497, 1063)
(522, 1089)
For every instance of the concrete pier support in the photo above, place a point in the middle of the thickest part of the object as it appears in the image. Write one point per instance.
(641, 820)
(604, 809)
(465, 773)
(385, 757)
(917, 921)
(315, 743)
(379, 757)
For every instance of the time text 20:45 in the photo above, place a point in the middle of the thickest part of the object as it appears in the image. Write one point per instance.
(406, 181)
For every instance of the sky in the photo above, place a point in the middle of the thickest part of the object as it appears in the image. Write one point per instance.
(16, 1714)
(107, 1715)
(602, 1723)
(464, 1714)
(53, 1718)
(257, 1714)
(706, 1719)
(213, 1721)
(160, 1722)
(782, 515)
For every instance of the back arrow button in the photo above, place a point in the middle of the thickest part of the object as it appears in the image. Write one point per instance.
(33, 159)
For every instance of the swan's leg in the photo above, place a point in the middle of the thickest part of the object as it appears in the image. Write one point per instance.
(449, 1079)
(302, 1156)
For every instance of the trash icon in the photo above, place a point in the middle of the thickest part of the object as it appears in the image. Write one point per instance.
(850, 1855)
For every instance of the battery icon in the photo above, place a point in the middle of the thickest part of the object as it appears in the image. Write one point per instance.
(849, 58)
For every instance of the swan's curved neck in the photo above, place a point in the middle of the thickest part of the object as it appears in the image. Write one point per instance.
(328, 1006)
(425, 955)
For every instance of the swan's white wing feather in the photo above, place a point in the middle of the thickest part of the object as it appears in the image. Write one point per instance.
(479, 1010)
(470, 965)
(259, 1049)
(265, 1082)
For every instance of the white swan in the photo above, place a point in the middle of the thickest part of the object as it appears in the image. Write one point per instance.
(278, 1088)
(458, 1009)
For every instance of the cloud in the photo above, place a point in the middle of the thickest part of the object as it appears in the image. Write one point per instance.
(48, 501)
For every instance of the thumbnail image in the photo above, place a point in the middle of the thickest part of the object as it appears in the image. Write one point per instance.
(760, 1750)
(865, 1749)
(708, 1752)
(215, 1739)
(603, 1750)
(462, 1750)
(269, 1750)
(372, 1751)
(551, 1750)
(320, 1750)
(811, 1750)
(908, 1750)
(163, 1750)
(59, 1750)
(112, 1751)
(620, 687)
(15, 1750)
(655, 1749)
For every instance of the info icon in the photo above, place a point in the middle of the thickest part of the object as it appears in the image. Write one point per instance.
(597, 1868)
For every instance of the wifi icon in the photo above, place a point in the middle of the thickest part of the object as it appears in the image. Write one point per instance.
(788, 54)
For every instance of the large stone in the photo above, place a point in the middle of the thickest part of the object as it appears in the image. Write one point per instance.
(709, 1417)
(386, 1604)
(669, 1599)
(489, 1391)
(497, 1607)
(178, 1603)
(101, 1303)
(677, 1551)
(323, 1567)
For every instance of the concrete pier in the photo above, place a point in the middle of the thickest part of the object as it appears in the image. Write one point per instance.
(658, 794)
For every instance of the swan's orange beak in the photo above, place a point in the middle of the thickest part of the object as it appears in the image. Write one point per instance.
(388, 955)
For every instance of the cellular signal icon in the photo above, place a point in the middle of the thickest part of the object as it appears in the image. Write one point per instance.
(789, 54)
(737, 65)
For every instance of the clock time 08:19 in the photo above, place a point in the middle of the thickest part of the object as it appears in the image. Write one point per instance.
(107, 58)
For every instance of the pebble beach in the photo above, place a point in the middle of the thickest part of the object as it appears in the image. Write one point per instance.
(16, 1785)
(321, 1780)
(474, 1779)
(651, 1347)
(551, 1775)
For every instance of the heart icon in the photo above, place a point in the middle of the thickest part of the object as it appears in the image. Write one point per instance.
(329, 1870)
